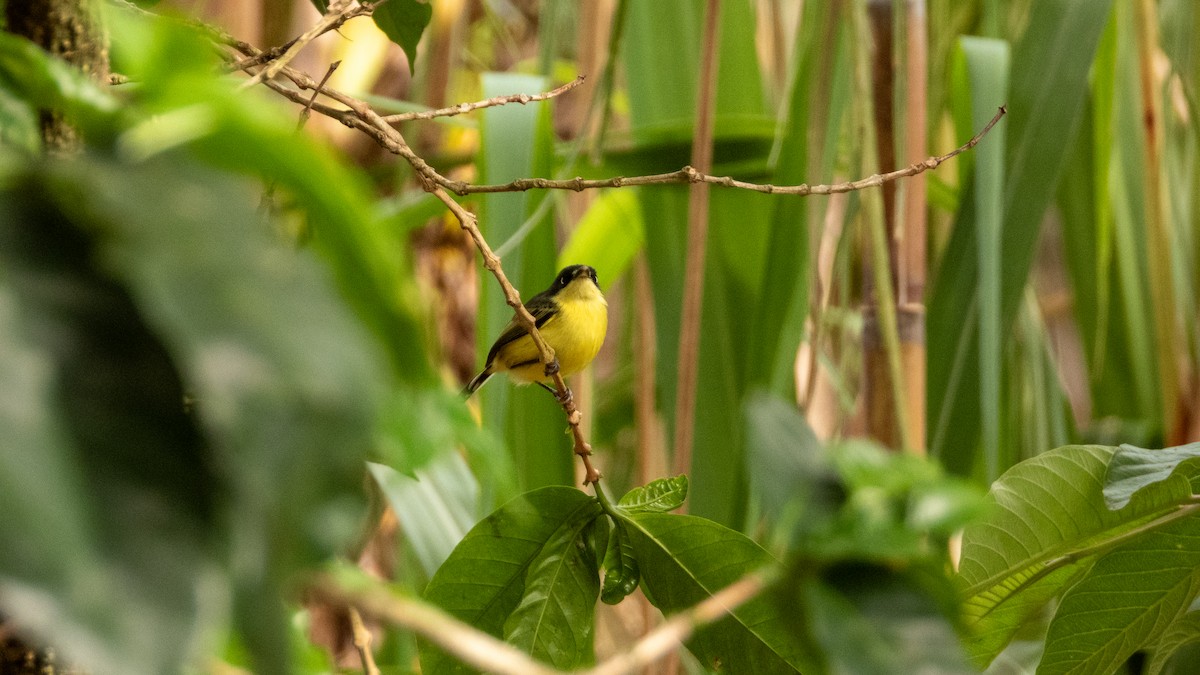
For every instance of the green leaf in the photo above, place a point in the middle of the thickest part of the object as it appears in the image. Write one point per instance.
(1183, 631)
(1046, 97)
(19, 127)
(1015, 559)
(436, 508)
(1132, 469)
(485, 578)
(45, 82)
(987, 67)
(1129, 597)
(664, 494)
(789, 470)
(403, 21)
(554, 622)
(621, 573)
(872, 619)
(684, 560)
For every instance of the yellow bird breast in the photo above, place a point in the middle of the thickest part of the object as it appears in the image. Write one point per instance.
(575, 333)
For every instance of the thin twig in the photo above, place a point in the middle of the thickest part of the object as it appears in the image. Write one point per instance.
(307, 111)
(690, 175)
(672, 633)
(467, 643)
(462, 108)
(338, 13)
(362, 642)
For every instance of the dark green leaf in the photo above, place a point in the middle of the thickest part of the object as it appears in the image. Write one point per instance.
(684, 560)
(659, 496)
(403, 21)
(1132, 469)
(879, 620)
(484, 579)
(554, 621)
(789, 470)
(108, 472)
(621, 574)
(1183, 632)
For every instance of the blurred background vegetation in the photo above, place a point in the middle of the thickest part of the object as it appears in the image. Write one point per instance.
(1044, 285)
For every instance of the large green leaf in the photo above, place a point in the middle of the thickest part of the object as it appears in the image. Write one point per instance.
(685, 559)
(1050, 523)
(502, 560)
(1128, 598)
(554, 620)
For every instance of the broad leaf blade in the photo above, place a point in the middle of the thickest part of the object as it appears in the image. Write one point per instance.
(1130, 595)
(684, 560)
(554, 621)
(1046, 507)
(483, 580)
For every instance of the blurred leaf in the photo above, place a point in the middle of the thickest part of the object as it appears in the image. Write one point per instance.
(789, 470)
(879, 620)
(436, 507)
(659, 496)
(684, 560)
(554, 622)
(1130, 595)
(249, 134)
(29, 74)
(1132, 469)
(1045, 98)
(621, 573)
(19, 127)
(607, 237)
(485, 578)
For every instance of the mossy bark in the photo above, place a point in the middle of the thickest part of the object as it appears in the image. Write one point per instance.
(71, 30)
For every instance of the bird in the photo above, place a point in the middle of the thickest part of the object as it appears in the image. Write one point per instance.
(571, 316)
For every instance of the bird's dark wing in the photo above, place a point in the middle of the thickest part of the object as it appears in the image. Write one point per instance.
(540, 306)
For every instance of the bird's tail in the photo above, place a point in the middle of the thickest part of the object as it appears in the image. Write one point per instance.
(476, 382)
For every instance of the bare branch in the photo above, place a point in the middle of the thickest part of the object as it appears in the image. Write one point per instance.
(462, 108)
(690, 175)
(338, 13)
(470, 645)
(671, 634)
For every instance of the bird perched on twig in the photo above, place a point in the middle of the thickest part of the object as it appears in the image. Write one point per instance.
(572, 317)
